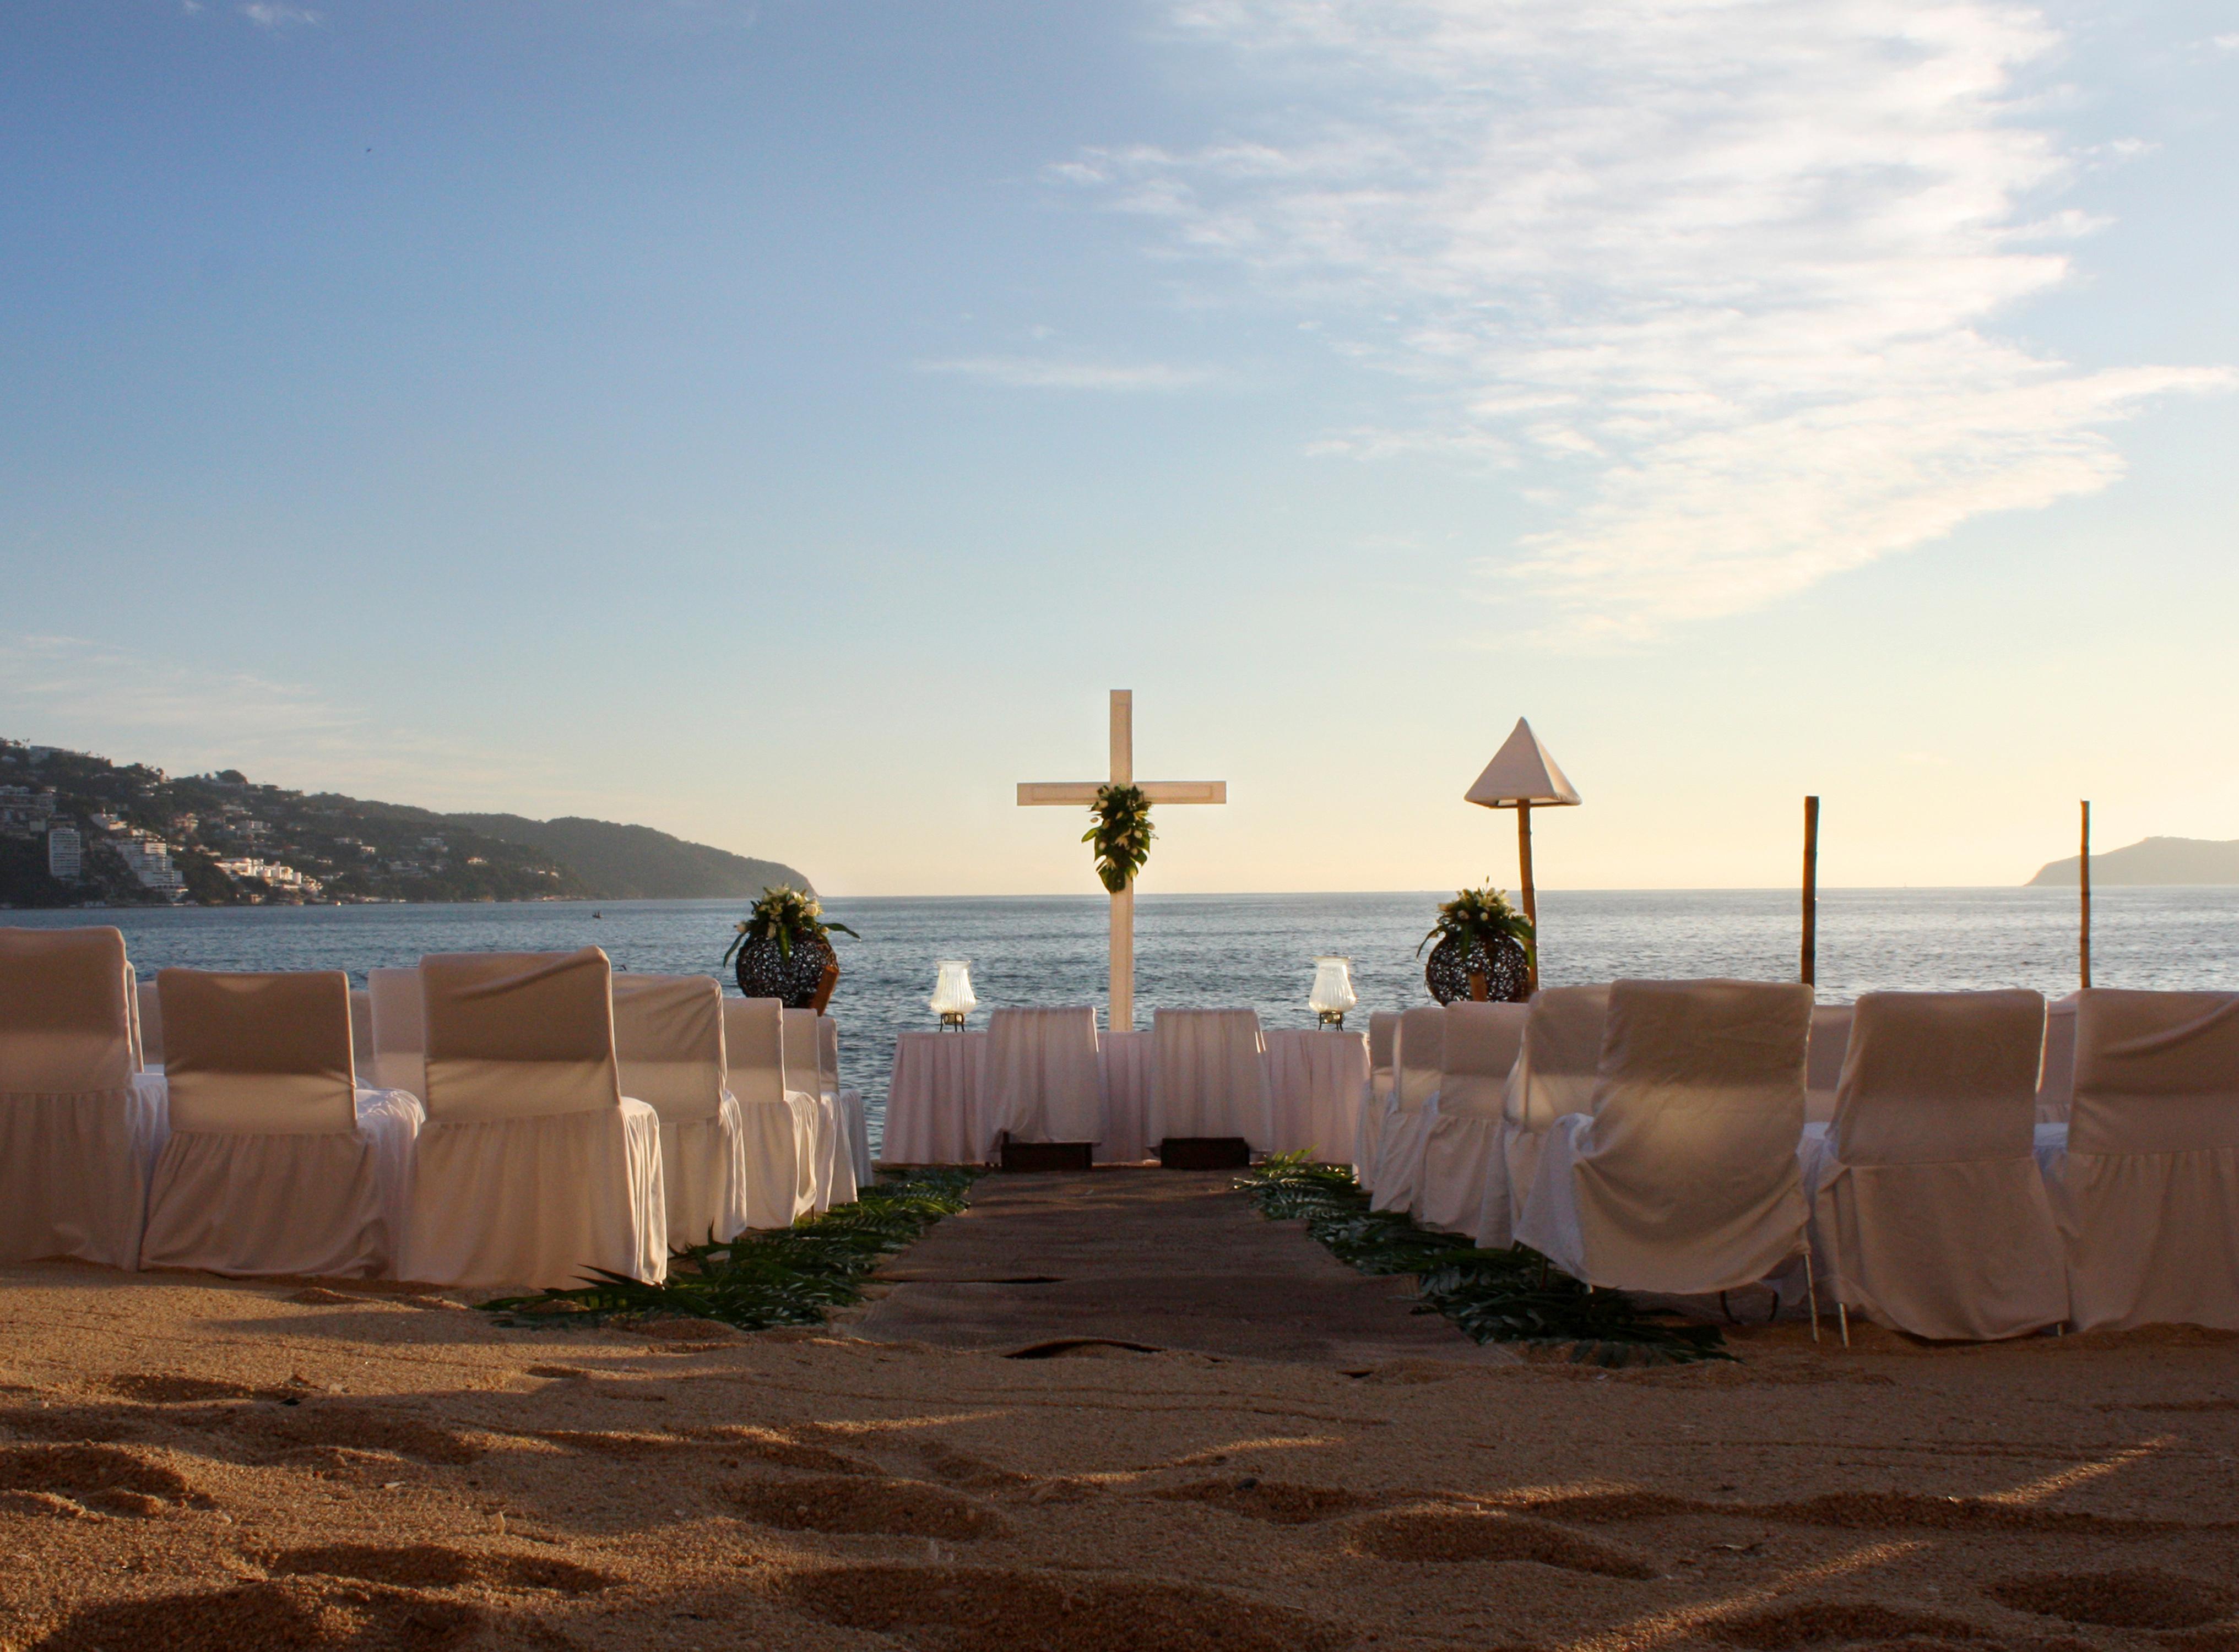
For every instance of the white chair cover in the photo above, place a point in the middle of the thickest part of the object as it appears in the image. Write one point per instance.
(852, 1118)
(832, 1168)
(1419, 1062)
(533, 1168)
(778, 1128)
(1553, 1077)
(668, 1049)
(148, 1024)
(1208, 1077)
(362, 1035)
(1043, 1084)
(79, 1130)
(400, 1031)
(2056, 1086)
(1463, 1148)
(278, 1162)
(1684, 1178)
(1831, 1040)
(1928, 1213)
(1375, 1098)
(2145, 1174)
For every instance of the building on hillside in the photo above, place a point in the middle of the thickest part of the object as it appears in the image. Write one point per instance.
(23, 813)
(65, 854)
(148, 858)
(280, 876)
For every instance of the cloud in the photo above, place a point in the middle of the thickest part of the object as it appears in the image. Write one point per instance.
(266, 14)
(1721, 277)
(1041, 372)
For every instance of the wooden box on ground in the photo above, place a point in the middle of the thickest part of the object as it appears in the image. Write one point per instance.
(1204, 1153)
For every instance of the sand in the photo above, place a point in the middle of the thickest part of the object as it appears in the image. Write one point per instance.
(187, 1462)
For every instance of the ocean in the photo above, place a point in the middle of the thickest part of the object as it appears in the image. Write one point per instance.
(1256, 950)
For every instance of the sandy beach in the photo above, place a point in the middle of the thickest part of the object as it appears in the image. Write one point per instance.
(196, 1464)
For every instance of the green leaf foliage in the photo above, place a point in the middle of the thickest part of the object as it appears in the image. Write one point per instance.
(784, 1276)
(785, 915)
(1121, 830)
(1511, 1295)
(1477, 918)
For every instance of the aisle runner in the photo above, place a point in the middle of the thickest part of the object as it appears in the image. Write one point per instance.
(1161, 1259)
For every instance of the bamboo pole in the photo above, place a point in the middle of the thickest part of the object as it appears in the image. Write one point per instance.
(1530, 896)
(1810, 959)
(2083, 895)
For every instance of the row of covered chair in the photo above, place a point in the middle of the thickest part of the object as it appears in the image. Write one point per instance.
(1956, 1165)
(521, 1118)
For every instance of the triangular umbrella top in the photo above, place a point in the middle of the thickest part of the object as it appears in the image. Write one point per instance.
(1522, 772)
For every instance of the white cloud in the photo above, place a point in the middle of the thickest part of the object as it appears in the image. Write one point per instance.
(2227, 43)
(1723, 272)
(265, 13)
(1043, 373)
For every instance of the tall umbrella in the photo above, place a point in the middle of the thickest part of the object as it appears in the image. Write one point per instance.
(1523, 773)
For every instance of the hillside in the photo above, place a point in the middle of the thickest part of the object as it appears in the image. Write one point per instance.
(76, 828)
(636, 862)
(2157, 860)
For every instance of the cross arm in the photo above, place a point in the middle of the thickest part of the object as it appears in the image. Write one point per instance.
(1081, 793)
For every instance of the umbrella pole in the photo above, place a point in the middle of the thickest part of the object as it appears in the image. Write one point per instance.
(1810, 962)
(2083, 895)
(1530, 899)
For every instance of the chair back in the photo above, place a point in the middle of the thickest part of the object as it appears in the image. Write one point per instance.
(669, 1044)
(799, 1052)
(265, 1054)
(1830, 1038)
(827, 1051)
(518, 1035)
(2056, 1084)
(1481, 1043)
(400, 1029)
(1420, 1057)
(1939, 1078)
(361, 1034)
(2156, 1072)
(148, 1004)
(65, 1015)
(753, 1050)
(1383, 1034)
(1556, 1068)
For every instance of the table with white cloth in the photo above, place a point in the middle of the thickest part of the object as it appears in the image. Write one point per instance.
(1316, 1077)
(934, 1104)
(1126, 1059)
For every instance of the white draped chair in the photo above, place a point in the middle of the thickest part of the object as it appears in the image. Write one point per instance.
(1418, 1059)
(1928, 1212)
(148, 1024)
(533, 1168)
(2056, 1084)
(1040, 1076)
(779, 1127)
(849, 1104)
(1831, 1041)
(1553, 1077)
(79, 1126)
(1208, 1078)
(278, 1162)
(1375, 1098)
(668, 1048)
(2145, 1174)
(400, 1031)
(831, 1169)
(1464, 1146)
(1684, 1178)
(360, 1012)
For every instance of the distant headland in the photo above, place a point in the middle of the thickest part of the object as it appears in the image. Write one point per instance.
(75, 829)
(2157, 860)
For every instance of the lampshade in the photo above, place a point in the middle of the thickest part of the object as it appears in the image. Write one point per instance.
(953, 998)
(1332, 995)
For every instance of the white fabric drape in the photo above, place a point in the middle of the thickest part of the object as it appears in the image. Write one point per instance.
(1928, 1214)
(400, 1031)
(80, 1128)
(1418, 1061)
(1123, 1062)
(2056, 1084)
(852, 1118)
(1684, 1178)
(1315, 1078)
(670, 1050)
(1831, 1041)
(1375, 1098)
(769, 1124)
(1463, 1148)
(2145, 1173)
(1208, 1077)
(934, 1114)
(1553, 1076)
(1041, 1079)
(832, 1169)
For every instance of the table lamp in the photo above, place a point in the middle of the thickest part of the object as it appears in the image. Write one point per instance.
(1332, 995)
(952, 997)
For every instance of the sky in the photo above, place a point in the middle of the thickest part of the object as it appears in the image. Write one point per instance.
(782, 423)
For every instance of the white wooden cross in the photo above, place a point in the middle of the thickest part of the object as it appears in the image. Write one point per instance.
(1082, 794)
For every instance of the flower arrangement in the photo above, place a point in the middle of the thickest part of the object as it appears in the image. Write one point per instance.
(1477, 920)
(787, 916)
(1121, 830)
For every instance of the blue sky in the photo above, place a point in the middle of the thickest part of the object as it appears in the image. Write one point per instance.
(782, 423)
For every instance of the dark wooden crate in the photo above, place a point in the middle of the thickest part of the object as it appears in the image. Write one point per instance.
(1048, 1156)
(1204, 1153)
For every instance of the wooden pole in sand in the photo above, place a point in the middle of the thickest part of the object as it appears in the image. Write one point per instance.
(1531, 896)
(2084, 898)
(1811, 961)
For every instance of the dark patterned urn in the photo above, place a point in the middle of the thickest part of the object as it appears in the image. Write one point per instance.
(765, 971)
(1507, 972)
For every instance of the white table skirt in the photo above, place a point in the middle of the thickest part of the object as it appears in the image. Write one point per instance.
(1315, 1081)
(934, 1112)
(1126, 1058)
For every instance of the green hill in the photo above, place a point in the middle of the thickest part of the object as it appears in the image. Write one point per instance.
(2156, 860)
(635, 862)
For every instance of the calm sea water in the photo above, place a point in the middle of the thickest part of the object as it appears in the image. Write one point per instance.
(1258, 950)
